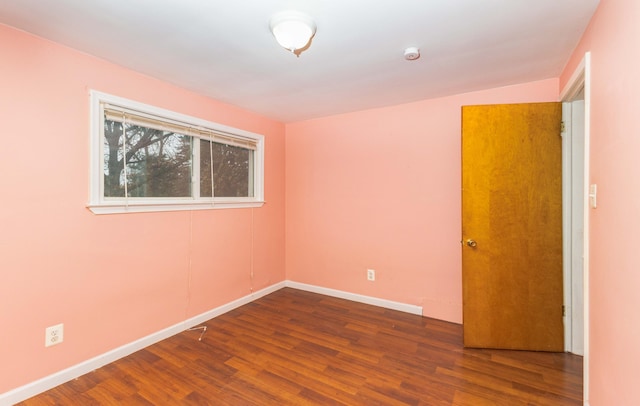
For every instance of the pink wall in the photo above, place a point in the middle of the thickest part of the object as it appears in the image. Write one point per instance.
(110, 279)
(381, 189)
(612, 38)
(373, 189)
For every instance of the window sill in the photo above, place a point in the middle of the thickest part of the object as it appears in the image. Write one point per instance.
(136, 207)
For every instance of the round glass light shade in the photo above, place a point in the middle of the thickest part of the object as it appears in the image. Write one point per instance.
(292, 30)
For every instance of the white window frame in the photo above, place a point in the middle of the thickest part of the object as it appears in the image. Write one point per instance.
(98, 204)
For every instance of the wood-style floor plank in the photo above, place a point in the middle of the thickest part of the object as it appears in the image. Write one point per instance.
(299, 348)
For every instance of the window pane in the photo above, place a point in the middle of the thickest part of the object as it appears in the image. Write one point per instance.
(158, 162)
(205, 168)
(113, 176)
(232, 170)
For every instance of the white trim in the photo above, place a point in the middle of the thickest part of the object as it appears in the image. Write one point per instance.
(132, 207)
(98, 204)
(582, 75)
(58, 378)
(354, 297)
(587, 212)
(575, 83)
(567, 140)
(573, 197)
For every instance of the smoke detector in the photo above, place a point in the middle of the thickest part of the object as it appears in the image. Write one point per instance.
(411, 53)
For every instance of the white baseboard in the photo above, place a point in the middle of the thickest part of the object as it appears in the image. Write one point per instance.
(25, 392)
(388, 304)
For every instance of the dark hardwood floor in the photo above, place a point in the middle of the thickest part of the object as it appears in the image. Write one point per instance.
(298, 348)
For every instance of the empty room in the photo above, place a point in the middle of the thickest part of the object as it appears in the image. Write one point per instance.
(311, 203)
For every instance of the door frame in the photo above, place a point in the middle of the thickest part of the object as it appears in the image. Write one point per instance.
(580, 81)
(572, 223)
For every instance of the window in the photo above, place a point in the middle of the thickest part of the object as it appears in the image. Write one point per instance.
(147, 159)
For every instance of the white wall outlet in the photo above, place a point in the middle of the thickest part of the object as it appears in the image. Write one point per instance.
(371, 275)
(53, 335)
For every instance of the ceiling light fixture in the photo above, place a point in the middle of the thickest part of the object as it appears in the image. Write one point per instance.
(293, 30)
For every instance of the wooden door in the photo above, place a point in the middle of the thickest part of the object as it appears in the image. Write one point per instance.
(512, 226)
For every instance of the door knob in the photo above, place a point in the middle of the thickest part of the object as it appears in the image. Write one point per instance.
(472, 243)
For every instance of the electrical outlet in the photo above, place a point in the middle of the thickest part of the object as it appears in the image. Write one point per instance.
(371, 275)
(53, 335)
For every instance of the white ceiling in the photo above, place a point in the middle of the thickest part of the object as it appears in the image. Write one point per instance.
(224, 49)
